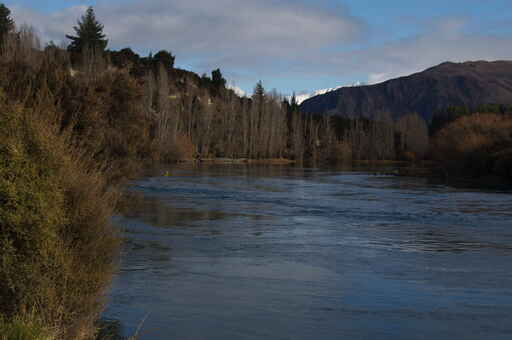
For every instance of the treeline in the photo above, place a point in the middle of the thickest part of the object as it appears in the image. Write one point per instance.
(138, 108)
(126, 107)
(477, 146)
(442, 118)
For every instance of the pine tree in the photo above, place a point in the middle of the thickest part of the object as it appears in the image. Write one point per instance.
(89, 34)
(218, 82)
(294, 106)
(217, 79)
(165, 58)
(259, 92)
(6, 22)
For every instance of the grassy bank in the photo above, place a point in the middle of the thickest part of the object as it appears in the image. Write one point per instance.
(269, 161)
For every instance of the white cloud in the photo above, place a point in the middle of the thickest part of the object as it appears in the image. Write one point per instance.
(52, 26)
(211, 32)
(269, 39)
(446, 40)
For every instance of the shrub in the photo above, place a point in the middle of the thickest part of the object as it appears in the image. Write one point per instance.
(342, 152)
(181, 149)
(58, 247)
(476, 145)
(24, 329)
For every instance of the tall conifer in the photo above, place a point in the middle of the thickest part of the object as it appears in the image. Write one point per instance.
(6, 22)
(89, 34)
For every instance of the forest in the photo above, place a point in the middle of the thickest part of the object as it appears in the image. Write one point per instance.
(179, 115)
(77, 120)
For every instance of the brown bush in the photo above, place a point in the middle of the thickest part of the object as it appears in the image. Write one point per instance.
(409, 156)
(475, 145)
(342, 152)
(180, 150)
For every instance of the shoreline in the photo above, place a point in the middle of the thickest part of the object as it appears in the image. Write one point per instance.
(222, 160)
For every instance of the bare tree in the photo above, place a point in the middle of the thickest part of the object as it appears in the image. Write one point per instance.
(383, 136)
(413, 132)
(163, 107)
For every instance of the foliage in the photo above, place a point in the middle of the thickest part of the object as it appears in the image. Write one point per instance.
(259, 92)
(58, 248)
(165, 58)
(24, 329)
(444, 117)
(477, 145)
(89, 34)
(218, 82)
(6, 22)
(413, 137)
(341, 153)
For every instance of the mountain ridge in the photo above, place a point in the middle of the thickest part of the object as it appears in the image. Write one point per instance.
(467, 84)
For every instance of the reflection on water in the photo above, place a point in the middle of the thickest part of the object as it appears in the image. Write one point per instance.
(158, 213)
(279, 252)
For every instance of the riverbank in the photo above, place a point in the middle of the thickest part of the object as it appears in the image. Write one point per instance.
(221, 160)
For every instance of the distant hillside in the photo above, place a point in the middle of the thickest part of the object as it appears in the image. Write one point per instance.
(468, 84)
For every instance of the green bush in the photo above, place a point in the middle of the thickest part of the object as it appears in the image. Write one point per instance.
(20, 329)
(58, 247)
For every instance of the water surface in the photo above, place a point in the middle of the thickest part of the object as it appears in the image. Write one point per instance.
(269, 252)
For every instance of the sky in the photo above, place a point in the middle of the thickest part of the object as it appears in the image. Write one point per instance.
(294, 46)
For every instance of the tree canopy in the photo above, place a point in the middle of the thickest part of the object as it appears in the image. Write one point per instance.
(164, 57)
(218, 80)
(259, 91)
(89, 34)
(6, 22)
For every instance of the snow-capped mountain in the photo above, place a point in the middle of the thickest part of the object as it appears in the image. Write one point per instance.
(238, 90)
(304, 96)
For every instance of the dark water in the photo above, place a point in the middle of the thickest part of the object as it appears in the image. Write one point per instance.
(235, 252)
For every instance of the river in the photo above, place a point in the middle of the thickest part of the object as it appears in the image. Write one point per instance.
(281, 252)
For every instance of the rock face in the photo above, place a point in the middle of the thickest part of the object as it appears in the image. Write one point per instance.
(468, 84)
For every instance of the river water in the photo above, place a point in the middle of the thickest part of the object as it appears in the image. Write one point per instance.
(276, 252)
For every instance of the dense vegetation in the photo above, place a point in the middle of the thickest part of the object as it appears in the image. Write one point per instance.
(477, 146)
(75, 121)
(58, 249)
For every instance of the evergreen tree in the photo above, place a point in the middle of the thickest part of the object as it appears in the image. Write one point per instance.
(6, 22)
(258, 96)
(218, 83)
(164, 57)
(217, 79)
(294, 106)
(259, 91)
(89, 34)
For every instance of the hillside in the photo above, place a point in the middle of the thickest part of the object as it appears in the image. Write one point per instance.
(468, 84)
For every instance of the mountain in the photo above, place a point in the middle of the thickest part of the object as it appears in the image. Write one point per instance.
(468, 84)
(300, 98)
